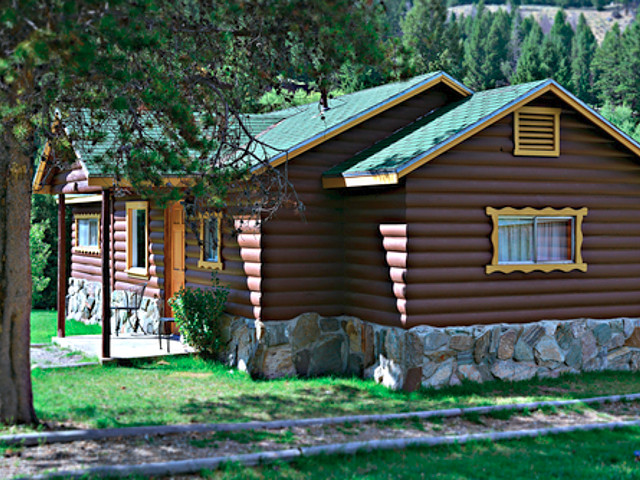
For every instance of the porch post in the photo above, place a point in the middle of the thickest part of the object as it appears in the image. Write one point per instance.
(62, 265)
(106, 284)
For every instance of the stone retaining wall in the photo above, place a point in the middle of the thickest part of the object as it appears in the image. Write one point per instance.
(84, 303)
(311, 345)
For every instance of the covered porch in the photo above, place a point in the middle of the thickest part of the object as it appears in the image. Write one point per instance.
(123, 347)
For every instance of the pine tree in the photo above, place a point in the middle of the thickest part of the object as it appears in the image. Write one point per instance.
(561, 38)
(529, 63)
(606, 68)
(582, 53)
(550, 59)
(630, 65)
(486, 49)
(497, 48)
(432, 42)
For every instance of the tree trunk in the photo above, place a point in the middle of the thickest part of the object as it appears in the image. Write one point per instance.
(16, 398)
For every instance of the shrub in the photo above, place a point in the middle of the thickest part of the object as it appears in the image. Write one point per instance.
(197, 312)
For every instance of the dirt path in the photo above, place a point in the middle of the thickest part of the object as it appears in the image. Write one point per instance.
(137, 450)
(53, 356)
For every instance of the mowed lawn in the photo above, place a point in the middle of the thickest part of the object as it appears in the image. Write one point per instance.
(190, 389)
(187, 390)
(601, 455)
(44, 326)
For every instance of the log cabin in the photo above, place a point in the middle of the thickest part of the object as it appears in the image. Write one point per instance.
(426, 204)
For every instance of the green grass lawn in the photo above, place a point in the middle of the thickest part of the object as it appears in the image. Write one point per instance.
(187, 390)
(602, 455)
(44, 326)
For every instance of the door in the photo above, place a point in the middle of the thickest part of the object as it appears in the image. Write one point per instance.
(174, 252)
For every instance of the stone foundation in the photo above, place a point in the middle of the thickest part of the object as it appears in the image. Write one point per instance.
(311, 345)
(84, 303)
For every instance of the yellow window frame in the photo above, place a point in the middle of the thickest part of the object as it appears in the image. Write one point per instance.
(87, 248)
(577, 264)
(518, 149)
(141, 272)
(202, 263)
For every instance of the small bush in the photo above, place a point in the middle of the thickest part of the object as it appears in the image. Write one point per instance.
(197, 311)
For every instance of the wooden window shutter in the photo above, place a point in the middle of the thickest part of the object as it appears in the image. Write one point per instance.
(537, 132)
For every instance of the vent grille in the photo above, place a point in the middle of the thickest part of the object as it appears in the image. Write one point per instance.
(537, 131)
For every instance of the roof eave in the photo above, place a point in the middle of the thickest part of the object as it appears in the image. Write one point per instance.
(367, 180)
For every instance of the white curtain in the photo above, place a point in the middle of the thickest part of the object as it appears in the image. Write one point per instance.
(515, 240)
(553, 242)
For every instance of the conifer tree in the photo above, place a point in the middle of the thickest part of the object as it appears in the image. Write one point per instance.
(606, 68)
(582, 52)
(486, 49)
(560, 38)
(630, 65)
(529, 62)
(432, 42)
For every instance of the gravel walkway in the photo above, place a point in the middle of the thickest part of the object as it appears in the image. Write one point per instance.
(137, 450)
(53, 356)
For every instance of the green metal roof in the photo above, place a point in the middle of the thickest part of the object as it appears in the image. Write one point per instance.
(309, 124)
(278, 132)
(431, 132)
(95, 155)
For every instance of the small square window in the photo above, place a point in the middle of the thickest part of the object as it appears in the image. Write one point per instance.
(531, 239)
(137, 238)
(88, 233)
(210, 238)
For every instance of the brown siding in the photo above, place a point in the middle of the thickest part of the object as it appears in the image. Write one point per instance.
(307, 266)
(70, 180)
(87, 266)
(370, 292)
(241, 267)
(449, 231)
(155, 282)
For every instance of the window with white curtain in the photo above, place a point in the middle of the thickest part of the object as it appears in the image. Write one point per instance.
(87, 232)
(535, 239)
(529, 239)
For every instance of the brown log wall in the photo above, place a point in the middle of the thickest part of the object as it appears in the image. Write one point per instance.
(87, 266)
(448, 230)
(241, 270)
(306, 263)
(370, 292)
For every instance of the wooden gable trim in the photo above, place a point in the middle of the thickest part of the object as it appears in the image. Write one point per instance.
(42, 166)
(561, 93)
(108, 182)
(327, 135)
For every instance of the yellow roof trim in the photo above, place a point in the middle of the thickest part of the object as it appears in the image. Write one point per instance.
(360, 181)
(377, 111)
(42, 164)
(109, 182)
(614, 132)
(82, 198)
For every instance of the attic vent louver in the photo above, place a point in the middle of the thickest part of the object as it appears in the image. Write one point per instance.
(537, 132)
